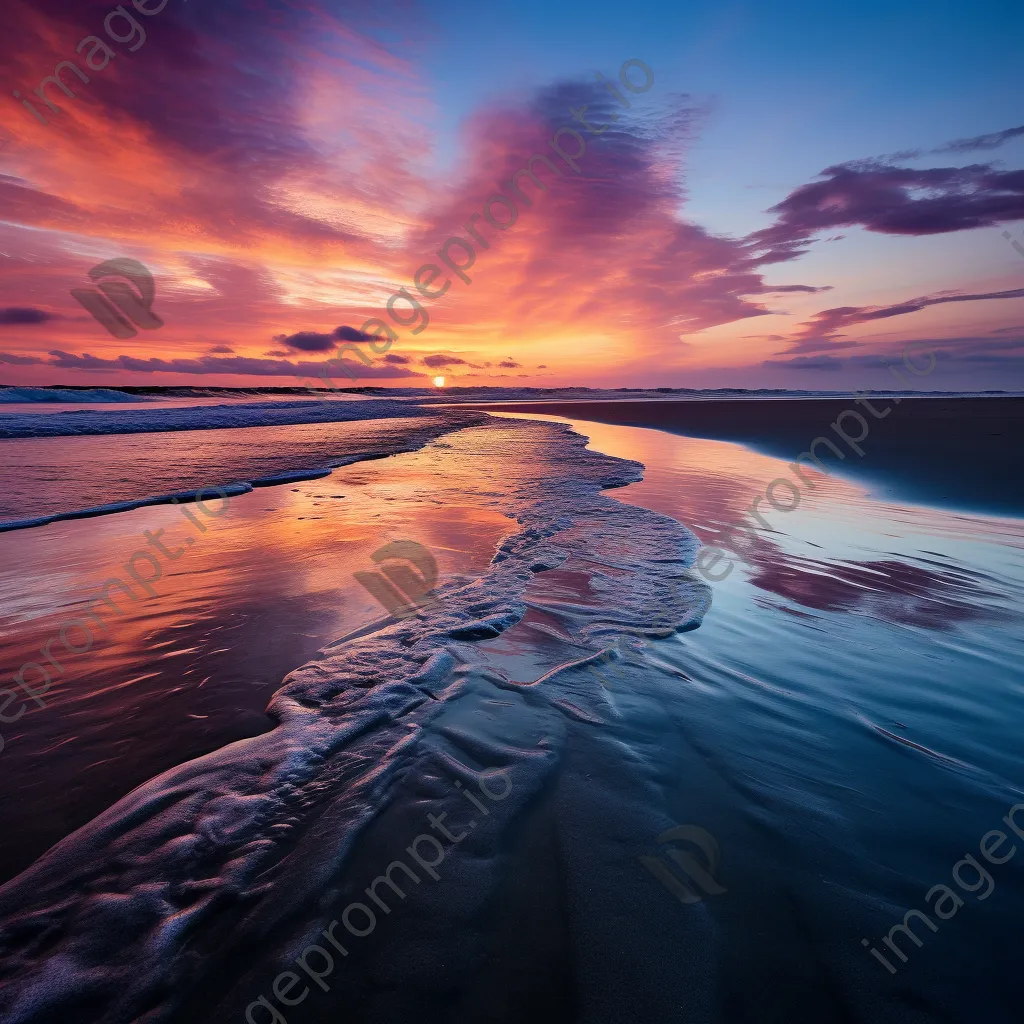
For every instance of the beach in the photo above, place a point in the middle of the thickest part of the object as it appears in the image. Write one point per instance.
(511, 520)
(962, 452)
(214, 799)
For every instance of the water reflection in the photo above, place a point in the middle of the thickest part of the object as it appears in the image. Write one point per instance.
(839, 549)
(847, 724)
(260, 592)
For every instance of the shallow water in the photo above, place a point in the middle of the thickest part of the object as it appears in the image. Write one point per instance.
(94, 472)
(850, 719)
(842, 724)
(191, 667)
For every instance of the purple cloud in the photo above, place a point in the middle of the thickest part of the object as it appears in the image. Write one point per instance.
(351, 334)
(440, 361)
(804, 363)
(820, 332)
(308, 341)
(218, 364)
(892, 200)
(991, 141)
(20, 360)
(25, 315)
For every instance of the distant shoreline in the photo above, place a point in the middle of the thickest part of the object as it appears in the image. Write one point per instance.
(489, 393)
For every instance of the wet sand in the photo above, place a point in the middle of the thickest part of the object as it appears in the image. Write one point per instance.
(961, 453)
(187, 898)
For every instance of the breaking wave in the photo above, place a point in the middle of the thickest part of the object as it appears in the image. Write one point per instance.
(202, 417)
(100, 396)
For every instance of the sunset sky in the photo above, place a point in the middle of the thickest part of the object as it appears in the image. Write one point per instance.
(803, 190)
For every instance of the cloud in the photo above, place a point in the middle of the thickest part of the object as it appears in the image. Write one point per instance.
(394, 357)
(441, 361)
(509, 364)
(315, 341)
(969, 351)
(542, 366)
(804, 363)
(798, 287)
(308, 341)
(822, 330)
(20, 360)
(25, 315)
(337, 201)
(991, 141)
(225, 350)
(225, 69)
(351, 334)
(892, 200)
(549, 271)
(235, 365)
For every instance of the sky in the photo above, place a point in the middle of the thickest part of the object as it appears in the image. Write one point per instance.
(771, 195)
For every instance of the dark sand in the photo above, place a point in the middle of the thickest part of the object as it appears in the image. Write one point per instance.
(962, 453)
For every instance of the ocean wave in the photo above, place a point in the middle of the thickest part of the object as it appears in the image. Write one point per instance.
(208, 417)
(100, 396)
(186, 898)
(275, 468)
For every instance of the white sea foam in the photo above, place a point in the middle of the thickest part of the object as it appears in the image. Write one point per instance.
(204, 417)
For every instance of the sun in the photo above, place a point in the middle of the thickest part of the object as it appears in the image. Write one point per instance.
(439, 382)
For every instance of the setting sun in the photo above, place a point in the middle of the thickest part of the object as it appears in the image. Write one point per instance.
(439, 382)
